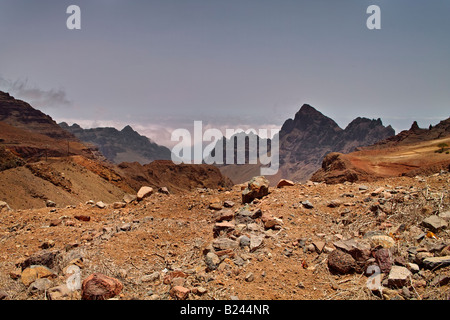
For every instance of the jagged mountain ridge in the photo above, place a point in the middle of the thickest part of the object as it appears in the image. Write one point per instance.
(306, 139)
(118, 146)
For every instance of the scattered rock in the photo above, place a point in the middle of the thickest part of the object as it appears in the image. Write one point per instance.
(60, 292)
(249, 277)
(101, 205)
(4, 206)
(143, 193)
(383, 257)
(212, 261)
(151, 277)
(39, 285)
(308, 205)
(3, 295)
(244, 241)
(128, 198)
(382, 240)
(257, 188)
(341, 262)
(228, 204)
(256, 242)
(119, 205)
(435, 223)
(83, 218)
(163, 190)
(50, 204)
(34, 272)
(98, 286)
(436, 262)
(285, 183)
(224, 243)
(399, 277)
(215, 204)
(179, 293)
(55, 222)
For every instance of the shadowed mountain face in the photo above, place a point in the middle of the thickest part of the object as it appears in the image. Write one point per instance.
(305, 140)
(117, 146)
(310, 136)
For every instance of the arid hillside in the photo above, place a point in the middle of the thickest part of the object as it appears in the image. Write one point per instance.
(411, 152)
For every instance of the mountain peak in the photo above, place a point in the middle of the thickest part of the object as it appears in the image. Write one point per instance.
(128, 129)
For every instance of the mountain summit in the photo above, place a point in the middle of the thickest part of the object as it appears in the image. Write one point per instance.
(310, 136)
(126, 145)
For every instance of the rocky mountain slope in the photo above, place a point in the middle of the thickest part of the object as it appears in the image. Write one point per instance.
(310, 136)
(411, 152)
(41, 162)
(117, 146)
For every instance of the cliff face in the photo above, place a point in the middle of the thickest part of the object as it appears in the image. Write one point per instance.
(117, 146)
(310, 136)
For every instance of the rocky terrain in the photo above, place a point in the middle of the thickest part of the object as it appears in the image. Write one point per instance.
(387, 239)
(411, 152)
(117, 146)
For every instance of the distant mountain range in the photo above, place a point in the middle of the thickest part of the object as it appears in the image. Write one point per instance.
(118, 146)
(305, 140)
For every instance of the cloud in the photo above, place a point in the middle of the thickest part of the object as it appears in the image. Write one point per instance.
(35, 96)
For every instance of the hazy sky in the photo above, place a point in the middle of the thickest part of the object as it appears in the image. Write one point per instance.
(160, 65)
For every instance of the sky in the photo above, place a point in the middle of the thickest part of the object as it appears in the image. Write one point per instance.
(161, 65)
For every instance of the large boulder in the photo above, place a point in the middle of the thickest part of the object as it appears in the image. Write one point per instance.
(257, 187)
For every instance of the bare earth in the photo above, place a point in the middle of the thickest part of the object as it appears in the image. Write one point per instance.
(164, 233)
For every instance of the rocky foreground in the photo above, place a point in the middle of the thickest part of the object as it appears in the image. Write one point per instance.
(380, 240)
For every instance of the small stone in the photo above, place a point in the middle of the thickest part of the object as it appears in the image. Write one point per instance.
(55, 222)
(125, 227)
(382, 240)
(225, 215)
(119, 205)
(334, 203)
(82, 218)
(285, 183)
(47, 244)
(34, 272)
(308, 205)
(435, 223)
(101, 205)
(256, 242)
(224, 243)
(50, 204)
(199, 291)
(257, 188)
(363, 188)
(212, 261)
(163, 190)
(445, 215)
(215, 204)
(399, 277)
(61, 292)
(341, 262)
(436, 262)
(179, 292)
(39, 285)
(151, 277)
(383, 257)
(143, 193)
(3, 295)
(414, 268)
(98, 286)
(250, 277)
(128, 198)
(319, 245)
(244, 241)
(228, 204)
